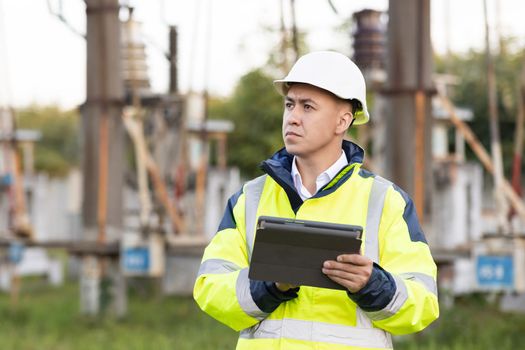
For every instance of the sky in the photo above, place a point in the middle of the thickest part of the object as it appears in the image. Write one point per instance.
(43, 61)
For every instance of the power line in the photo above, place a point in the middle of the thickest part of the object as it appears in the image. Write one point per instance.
(63, 19)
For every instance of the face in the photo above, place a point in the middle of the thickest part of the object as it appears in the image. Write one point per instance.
(314, 121)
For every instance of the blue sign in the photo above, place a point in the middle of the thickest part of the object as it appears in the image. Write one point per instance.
(495, 272)
(16, 252)
(6, 180)
(136, 259)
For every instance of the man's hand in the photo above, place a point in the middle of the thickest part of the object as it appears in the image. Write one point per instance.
(352, 271)
(283, 287)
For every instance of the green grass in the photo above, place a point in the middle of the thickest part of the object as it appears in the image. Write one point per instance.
(473, 323)
(48, 318)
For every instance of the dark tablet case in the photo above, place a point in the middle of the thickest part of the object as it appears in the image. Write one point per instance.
(293, 251)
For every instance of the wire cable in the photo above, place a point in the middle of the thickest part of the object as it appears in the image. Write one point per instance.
(63, 19)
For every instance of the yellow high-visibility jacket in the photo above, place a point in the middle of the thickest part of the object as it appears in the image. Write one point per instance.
(400, 297)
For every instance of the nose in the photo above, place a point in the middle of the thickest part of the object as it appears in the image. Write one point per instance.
(292, 117)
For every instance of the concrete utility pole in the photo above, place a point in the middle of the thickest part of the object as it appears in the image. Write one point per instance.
(408, 88)
(103, 148)
(102, 113)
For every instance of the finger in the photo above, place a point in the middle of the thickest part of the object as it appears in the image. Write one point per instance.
(345, 283)
(283, 287)
(354, 259)
(351, 285)
(343, 266)
(340, 274)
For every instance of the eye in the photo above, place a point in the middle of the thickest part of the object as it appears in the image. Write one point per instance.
(288, 105)
(308, 107)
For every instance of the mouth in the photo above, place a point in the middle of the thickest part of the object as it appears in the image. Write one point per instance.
(291, 133)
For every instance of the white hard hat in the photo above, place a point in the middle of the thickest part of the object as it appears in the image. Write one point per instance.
(331, 71)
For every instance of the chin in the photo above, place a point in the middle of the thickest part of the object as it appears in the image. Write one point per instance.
(293, 150)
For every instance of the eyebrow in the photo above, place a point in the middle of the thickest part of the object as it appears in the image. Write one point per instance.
(301, 100)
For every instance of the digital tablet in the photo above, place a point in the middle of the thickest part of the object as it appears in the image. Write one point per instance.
(293, 251)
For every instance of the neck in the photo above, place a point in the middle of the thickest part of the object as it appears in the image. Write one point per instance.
(312, 166)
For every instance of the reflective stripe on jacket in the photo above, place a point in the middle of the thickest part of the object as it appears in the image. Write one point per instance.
(317, 318)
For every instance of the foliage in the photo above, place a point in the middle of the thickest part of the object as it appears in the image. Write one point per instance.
(256, 110)
(58, 149)
(471, 92)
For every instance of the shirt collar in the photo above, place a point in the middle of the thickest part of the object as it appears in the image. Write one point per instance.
(323, 178)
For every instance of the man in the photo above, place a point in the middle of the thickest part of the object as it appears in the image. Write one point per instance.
(391, 286)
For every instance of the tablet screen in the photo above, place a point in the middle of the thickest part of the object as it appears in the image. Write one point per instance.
(293, 251)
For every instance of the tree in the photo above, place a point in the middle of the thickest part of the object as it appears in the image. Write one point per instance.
(256, 109)
(58, 150)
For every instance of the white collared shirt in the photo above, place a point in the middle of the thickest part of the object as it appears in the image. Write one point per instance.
(324, 178)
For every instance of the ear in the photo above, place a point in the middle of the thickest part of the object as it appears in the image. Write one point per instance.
(343, 122)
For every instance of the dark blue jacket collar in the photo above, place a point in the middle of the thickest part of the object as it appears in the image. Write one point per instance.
(282, 158)
(279, 167)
